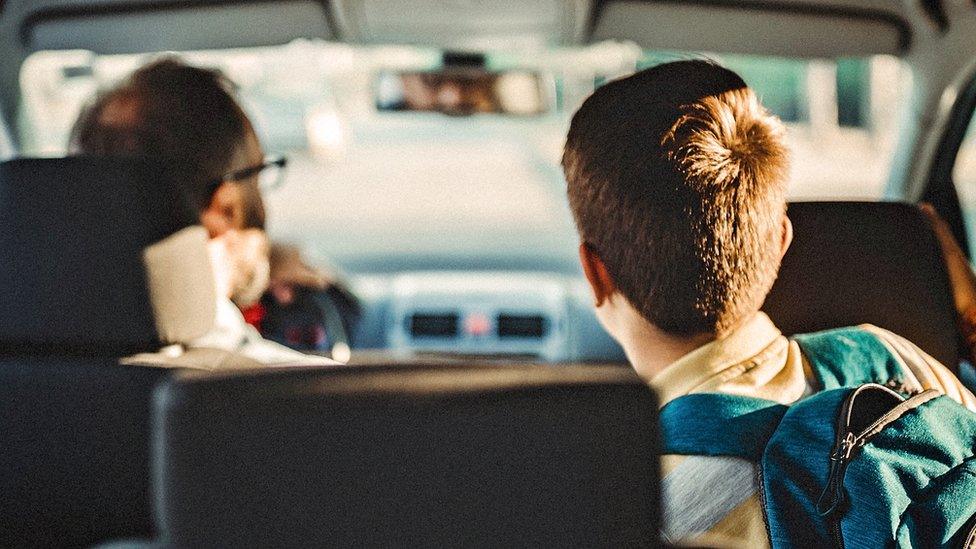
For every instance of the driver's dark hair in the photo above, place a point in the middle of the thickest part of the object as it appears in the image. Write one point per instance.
(183, 115)
(677, 179)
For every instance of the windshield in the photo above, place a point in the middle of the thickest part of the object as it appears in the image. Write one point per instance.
(386, 190)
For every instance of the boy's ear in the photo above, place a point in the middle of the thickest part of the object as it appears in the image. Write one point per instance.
(787, 236)
(597, 275)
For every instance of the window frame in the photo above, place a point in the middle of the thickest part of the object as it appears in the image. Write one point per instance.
(940, 189)
(8, 149)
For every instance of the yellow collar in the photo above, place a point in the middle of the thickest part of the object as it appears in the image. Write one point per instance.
(704, 363)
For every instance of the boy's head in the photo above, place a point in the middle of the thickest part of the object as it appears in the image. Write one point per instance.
(677, 180)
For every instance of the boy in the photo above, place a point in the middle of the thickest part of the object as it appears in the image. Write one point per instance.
(677, 180)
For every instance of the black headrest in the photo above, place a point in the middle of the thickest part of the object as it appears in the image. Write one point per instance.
(408, 456)
(866, 262)
(72, 233)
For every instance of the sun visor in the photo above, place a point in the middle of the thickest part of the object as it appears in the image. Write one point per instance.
(464, 26)
(781, 29)
(136, 27)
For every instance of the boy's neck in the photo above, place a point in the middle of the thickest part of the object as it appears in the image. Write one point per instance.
(650, 350)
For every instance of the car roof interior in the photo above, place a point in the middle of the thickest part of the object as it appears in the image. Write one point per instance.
(821, 28)
(918, 31)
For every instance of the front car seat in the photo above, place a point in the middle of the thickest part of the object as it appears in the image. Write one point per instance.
(99, 258)
(408, 457)
(866, 262)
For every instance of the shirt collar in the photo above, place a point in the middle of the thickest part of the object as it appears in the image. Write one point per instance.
(692, 370)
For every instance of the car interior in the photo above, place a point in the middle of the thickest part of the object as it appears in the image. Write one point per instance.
(476, 399)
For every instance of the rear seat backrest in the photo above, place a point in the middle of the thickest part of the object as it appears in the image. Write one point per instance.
(86, 247)
(408, 457)
(866, 262)
(74, 460)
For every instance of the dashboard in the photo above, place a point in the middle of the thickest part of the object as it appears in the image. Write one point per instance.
(535, 316)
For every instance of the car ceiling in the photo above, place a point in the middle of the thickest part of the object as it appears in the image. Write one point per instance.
(442, 21)
(798, 28)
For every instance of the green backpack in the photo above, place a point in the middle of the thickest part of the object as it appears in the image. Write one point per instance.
(855, 465)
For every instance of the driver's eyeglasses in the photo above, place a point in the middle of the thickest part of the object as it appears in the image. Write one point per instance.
(271, 173)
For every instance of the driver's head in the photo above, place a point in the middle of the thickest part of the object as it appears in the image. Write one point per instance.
(188, 117)
(677, 181)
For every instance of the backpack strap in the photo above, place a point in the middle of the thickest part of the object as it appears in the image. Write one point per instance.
(848, 357)
(716, 424)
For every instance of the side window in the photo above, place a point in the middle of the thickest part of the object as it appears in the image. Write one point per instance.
(964, 176)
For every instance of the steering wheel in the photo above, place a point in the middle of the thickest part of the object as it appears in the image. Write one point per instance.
(340, 312)
(320, 321)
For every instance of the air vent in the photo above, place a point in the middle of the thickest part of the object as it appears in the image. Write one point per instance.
(434, 325)
(77, 71)
(529, 326)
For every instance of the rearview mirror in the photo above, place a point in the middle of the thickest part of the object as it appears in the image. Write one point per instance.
(464, 91)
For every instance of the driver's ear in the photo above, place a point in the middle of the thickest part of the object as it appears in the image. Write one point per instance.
(601, 283)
